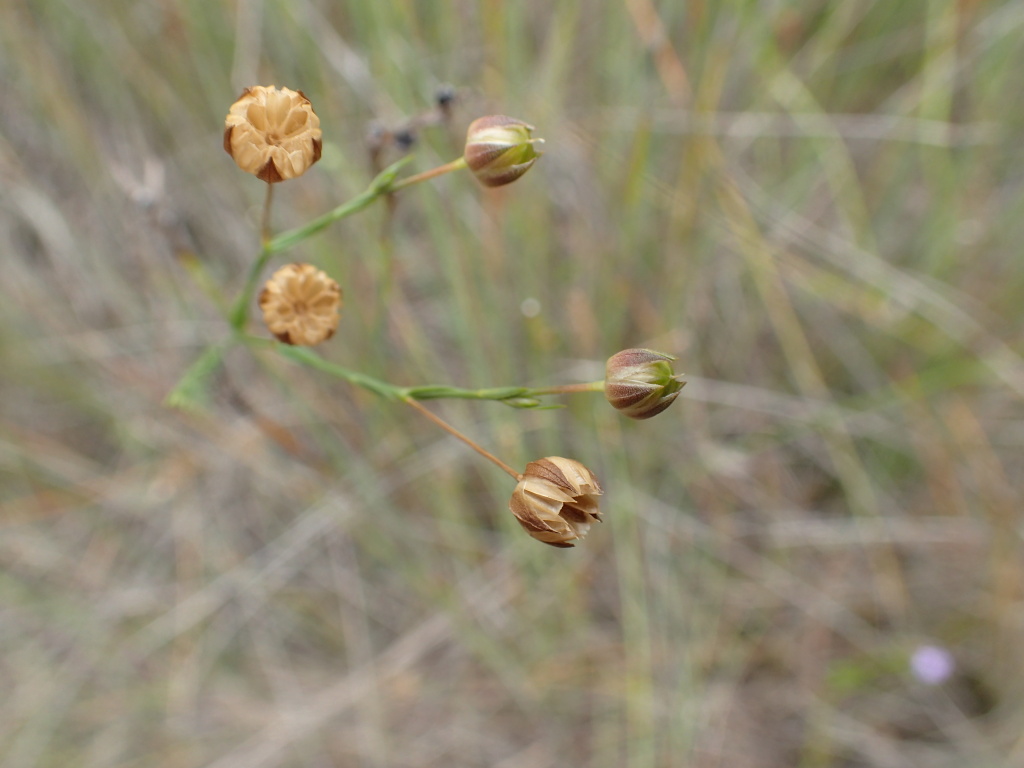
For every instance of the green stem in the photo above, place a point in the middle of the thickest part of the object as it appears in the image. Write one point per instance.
(383, 184)
(292, 237)
(240, 309)
(568, 389)
(307, 357)
(271, 245)
(191, 391)
(191, 388)
(455, 165)
(265, 221)
(430, 392)
(511, 395)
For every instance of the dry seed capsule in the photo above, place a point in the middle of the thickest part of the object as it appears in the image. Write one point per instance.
(300, 305)
(556, 501)
(273, 134)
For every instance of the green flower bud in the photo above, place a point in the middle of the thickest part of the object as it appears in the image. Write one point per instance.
(641, 383)
(499, 149)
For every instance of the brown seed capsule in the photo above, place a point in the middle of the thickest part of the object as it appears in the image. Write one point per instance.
(273, 134)
(499, 149)
(556, 500)
(300, 305)
(640, 382)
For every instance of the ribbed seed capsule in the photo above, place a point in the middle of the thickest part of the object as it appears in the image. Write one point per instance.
(273, 133)
(300, 305)
(556, 500)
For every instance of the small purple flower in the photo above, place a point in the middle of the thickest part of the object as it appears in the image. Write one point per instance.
(932, 664)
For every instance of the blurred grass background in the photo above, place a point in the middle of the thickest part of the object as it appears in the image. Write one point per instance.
(816, 205)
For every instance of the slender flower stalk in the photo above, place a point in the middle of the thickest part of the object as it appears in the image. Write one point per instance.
(433, 392)
(239, 313)
(192, 389)
(455, 165)
(384, 184)
(380, 186)
(308, 357)
(517, 397)
(265, 232)
(239, 316)
(569, 389)
(455, 433)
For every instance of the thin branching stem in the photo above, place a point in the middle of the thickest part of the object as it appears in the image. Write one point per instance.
(240, 309)
(265, 231)
(383, 185)
(455, 165)
(569, 389)
(455, 433)
(308, 357)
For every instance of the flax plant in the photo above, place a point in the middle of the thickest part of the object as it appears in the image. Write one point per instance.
(275, 135)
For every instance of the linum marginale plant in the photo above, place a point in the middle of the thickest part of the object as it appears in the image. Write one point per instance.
(274, 134)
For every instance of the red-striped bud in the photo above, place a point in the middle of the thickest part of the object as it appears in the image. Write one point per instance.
(499, 149)
(640, 382)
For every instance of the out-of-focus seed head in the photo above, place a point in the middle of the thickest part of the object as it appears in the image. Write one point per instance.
(300, 305)
(405, 138)
(556, 501)
(499, 149)
(641, 383)
(273, 133)
(445, 97)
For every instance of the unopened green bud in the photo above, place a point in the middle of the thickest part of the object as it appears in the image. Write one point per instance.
(641, 382)
(499, 149)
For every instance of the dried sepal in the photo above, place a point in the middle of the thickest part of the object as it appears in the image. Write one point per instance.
(273, 133)
(556, 501)
(300, 305)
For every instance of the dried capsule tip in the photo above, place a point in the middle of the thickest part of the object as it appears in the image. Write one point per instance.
(556, 500)
(273, 133)
(300, 305)
(499, 149)
(641, 383)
